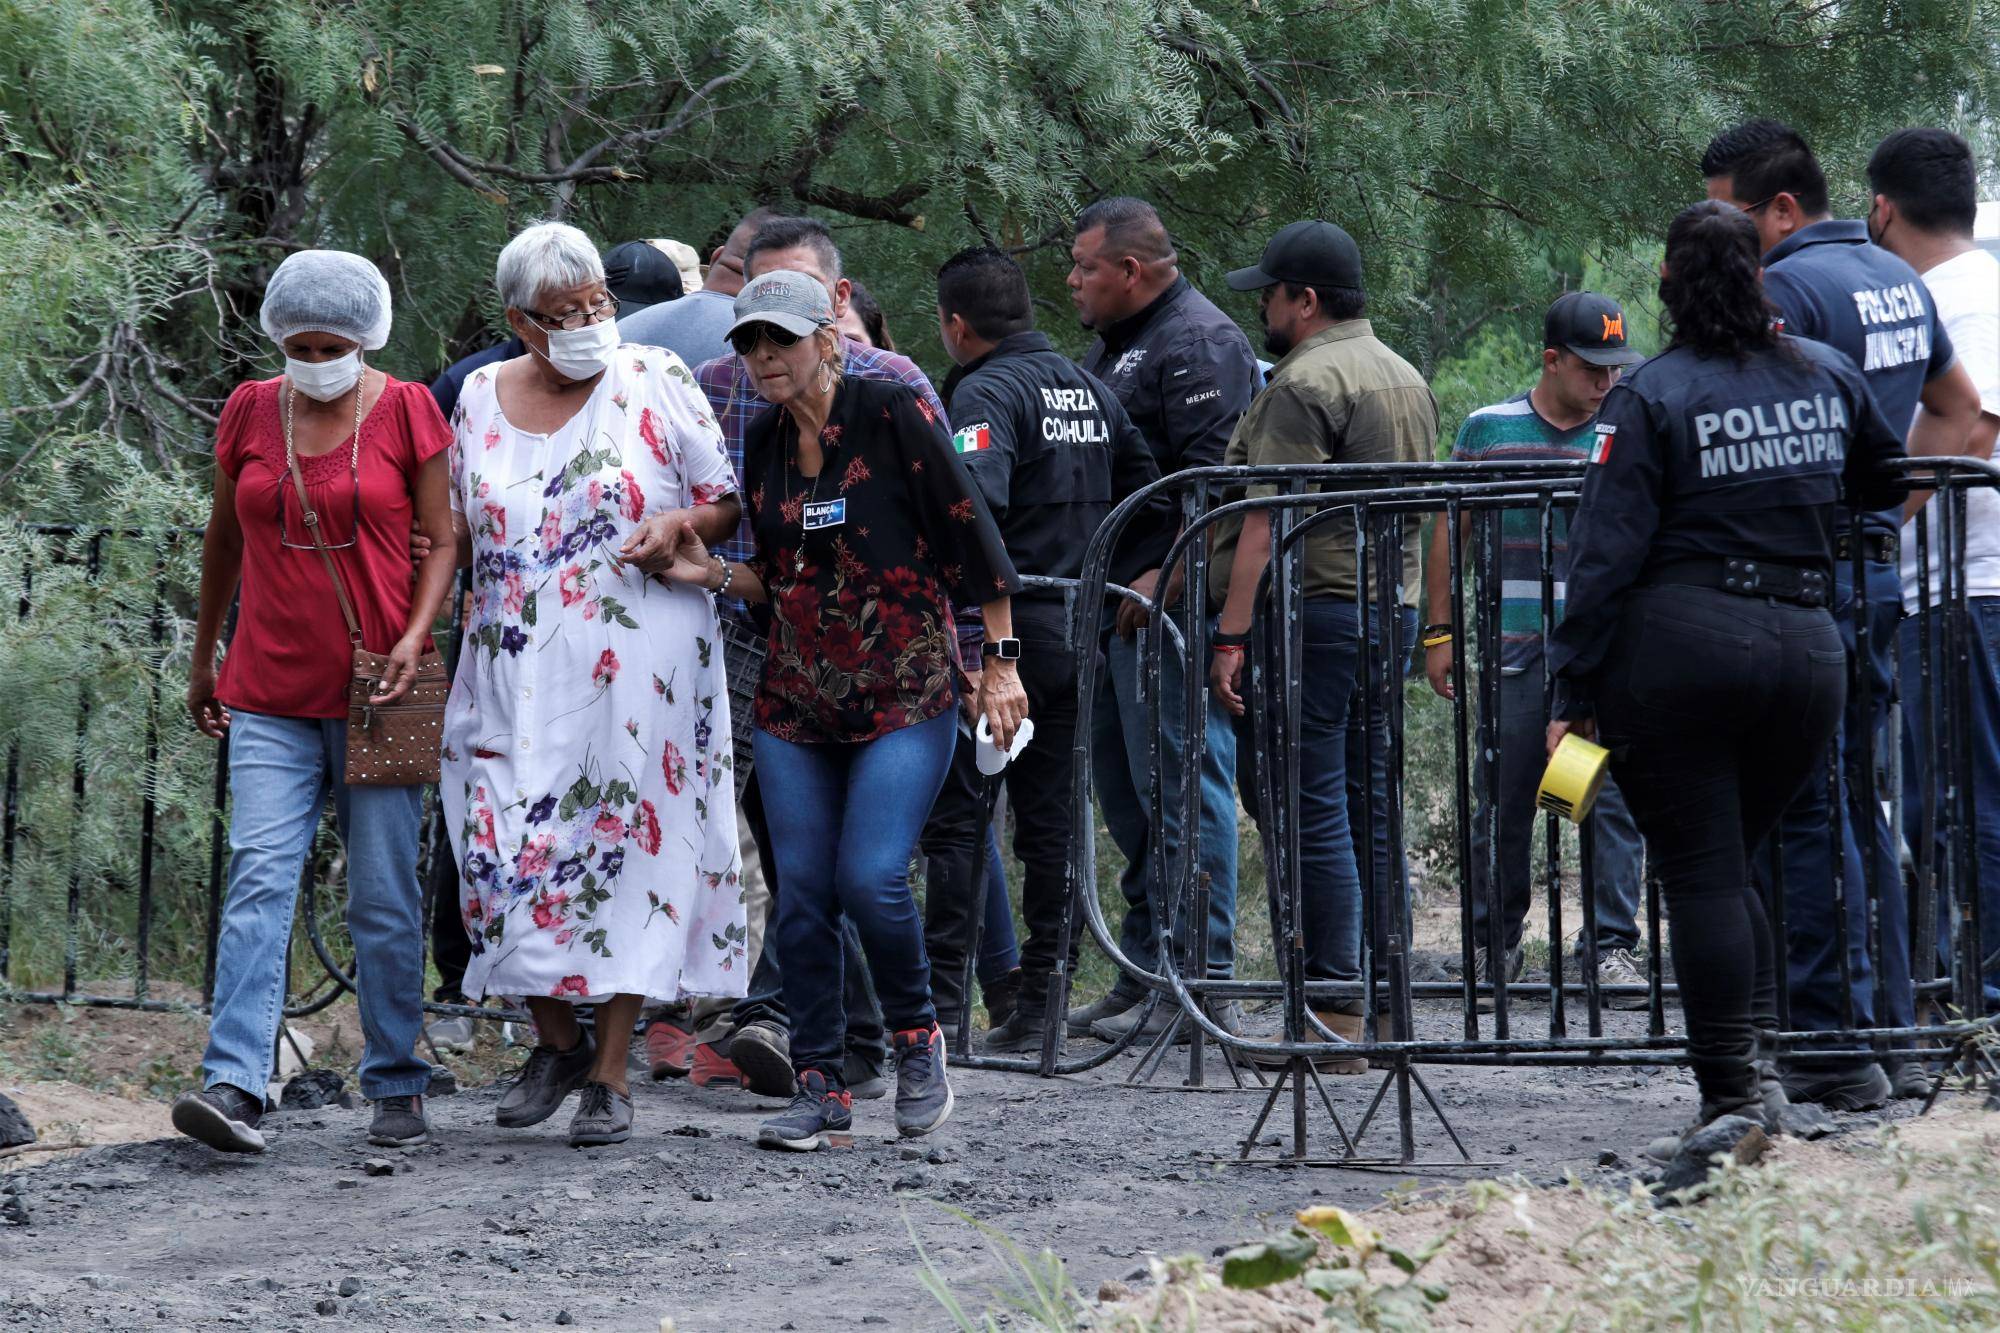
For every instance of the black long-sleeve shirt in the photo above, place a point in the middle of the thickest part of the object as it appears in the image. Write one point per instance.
(1052, 451)
(1712, 457)
(1183, 371)
(861, 562)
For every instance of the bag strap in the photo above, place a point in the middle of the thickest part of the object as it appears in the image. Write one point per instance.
(311, 520)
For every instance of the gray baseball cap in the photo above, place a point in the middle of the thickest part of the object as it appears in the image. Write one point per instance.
(794, 302)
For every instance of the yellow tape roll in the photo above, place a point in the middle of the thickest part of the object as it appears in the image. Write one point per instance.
(1574, 774)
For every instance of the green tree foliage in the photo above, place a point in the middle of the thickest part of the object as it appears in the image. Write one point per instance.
(157, 160)
(161, 158)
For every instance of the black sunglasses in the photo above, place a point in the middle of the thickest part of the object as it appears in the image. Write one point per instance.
(745, 339)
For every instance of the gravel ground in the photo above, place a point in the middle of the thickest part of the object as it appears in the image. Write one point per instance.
(490, 1228)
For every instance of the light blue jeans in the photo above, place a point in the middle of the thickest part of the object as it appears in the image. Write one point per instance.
(281, 770)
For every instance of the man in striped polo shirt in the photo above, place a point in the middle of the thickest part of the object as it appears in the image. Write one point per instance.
(1583, 353)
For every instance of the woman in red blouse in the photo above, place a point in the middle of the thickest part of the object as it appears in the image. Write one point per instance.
(370, 451)
(867, 530)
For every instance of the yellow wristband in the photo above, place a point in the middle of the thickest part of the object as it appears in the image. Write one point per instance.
(1437, 640)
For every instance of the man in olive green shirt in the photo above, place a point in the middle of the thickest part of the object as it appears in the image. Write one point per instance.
(1337, 395)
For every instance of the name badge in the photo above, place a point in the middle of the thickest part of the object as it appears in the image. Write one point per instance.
(826, 514)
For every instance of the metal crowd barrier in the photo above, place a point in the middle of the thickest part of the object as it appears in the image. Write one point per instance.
(1380, 505)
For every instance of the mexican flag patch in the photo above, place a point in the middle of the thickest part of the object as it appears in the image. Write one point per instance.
(1602, 449)
(973, 438)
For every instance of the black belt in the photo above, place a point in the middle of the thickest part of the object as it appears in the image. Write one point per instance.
(1880, 547)
(1748, 578)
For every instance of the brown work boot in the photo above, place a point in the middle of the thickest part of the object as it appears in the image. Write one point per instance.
(1347, 1027)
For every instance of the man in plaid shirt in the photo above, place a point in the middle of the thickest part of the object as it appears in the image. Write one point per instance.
(760, 1046)
(805, 246)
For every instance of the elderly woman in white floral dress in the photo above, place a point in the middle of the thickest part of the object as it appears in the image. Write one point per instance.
(587, 754)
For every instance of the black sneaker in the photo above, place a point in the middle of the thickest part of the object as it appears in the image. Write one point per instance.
(923, 1093)
(400, 1122)
(818, 1109)
(1851, 1087)
(224, 1117)
(603, 1116)
(864, 1076)
(763, 1051)
(548, 1077)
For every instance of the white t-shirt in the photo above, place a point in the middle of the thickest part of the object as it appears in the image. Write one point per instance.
(1966, 291)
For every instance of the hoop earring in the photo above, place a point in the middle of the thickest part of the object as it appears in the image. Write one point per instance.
(826, 376)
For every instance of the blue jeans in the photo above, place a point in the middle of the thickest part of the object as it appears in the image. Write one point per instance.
(281, 770)
(764, 1002)
(999, 950)
(1982, 644)
(845, 819)
(1118, 744)
(1334, 718)
(1619, 852)
(1805, 842)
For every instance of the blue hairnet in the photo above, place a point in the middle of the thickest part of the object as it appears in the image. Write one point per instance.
(327, 291)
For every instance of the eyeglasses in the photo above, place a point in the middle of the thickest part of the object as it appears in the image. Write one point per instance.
(1761, 203)
(607, 308)
(745, 339)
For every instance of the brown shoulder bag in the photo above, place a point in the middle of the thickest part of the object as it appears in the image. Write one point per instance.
(388, 745)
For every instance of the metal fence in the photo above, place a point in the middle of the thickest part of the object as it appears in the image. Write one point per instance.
(1412, 1022)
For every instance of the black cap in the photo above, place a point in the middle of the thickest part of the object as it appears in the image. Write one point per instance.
(1312, 254)
(1590, 325)
(640, 274)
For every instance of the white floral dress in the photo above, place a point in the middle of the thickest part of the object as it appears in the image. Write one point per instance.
(587, 755)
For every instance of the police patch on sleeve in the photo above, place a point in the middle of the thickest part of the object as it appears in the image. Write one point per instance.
(1601, 451)
(973, 438)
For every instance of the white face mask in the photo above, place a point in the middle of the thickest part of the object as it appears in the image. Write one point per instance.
(324, 381)
(580, 353)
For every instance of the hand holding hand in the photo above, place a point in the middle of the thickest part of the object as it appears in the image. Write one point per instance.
(656, 542)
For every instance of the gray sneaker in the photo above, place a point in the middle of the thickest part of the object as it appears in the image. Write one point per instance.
(603, 1116)
(1620, 967)
(400, 1122)
(454, 1033)
(923, 1092)
(548, 1077)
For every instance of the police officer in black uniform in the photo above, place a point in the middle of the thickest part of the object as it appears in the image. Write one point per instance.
(1052, 451)
(1696, 639)
(1831, 284)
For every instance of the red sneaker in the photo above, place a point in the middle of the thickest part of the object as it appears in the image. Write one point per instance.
(712, 1069)
(670, 1048)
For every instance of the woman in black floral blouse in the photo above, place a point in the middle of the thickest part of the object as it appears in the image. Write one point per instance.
(867, 530)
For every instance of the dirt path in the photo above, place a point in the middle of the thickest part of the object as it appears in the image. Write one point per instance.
(689, 1219)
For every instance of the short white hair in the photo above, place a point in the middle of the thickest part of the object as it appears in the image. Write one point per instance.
(546, 257)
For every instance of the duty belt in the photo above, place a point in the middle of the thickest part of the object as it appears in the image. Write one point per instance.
(1880, 547)
(1748, 578)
